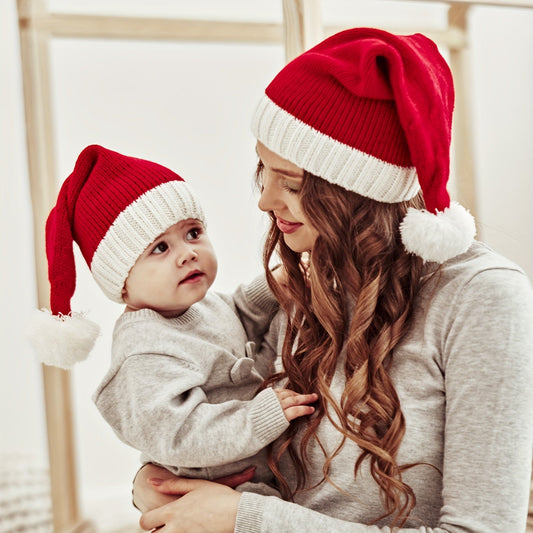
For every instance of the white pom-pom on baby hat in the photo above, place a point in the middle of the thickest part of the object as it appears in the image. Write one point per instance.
(438, 236)
(61, 341)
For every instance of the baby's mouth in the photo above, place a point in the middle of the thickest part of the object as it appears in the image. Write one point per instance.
(192, 277)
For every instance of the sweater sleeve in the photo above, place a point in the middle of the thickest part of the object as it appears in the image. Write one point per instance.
(256, 306)
(488, 365)
(265, 357)
(155, 403)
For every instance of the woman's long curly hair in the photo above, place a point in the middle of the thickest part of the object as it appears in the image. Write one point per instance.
(354, 291)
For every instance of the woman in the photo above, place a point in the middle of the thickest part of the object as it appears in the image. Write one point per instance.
(417, 339)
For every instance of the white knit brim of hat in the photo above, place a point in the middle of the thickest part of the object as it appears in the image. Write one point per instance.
(330, 159)
(136, 228)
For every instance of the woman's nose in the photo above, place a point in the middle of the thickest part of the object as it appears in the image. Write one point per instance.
(269, 199)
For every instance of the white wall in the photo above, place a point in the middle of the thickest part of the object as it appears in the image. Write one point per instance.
(188, 106)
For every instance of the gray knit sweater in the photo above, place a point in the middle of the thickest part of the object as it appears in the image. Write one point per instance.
(464, 375)
(182, 390)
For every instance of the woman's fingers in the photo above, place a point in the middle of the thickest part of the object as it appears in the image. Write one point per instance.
(178, 486)
(205, 507)
(152, 519)
(237, 479)
(146, 495)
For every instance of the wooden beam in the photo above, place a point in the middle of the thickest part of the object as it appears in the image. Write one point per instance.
(462, 128)
(40, 153)
(493, 3)
(302, 26)
(122, 27)
(307, 32)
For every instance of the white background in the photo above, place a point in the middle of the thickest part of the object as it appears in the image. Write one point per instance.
(188, 106)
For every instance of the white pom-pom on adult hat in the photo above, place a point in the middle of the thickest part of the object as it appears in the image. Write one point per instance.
(113, 206)
(372, 112)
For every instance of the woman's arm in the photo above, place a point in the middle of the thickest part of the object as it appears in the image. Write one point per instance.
(488, 367)
(206, 507)
(256, 306)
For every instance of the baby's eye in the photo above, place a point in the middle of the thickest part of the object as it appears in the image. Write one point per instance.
(193, 234)
(160, 248)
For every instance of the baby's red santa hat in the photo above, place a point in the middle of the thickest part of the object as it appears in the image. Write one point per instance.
(372, 112)
(113, 206)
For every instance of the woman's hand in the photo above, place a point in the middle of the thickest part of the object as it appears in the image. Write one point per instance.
(201, 507)
(149, 489)
(145, 495)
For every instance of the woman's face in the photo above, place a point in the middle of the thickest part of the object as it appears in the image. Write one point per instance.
(281, 182)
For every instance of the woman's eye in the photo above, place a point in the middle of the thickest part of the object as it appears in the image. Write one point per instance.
(193, 234)
(160, 248)
(290, 187)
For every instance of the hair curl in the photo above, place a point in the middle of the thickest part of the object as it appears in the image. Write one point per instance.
(355, 290)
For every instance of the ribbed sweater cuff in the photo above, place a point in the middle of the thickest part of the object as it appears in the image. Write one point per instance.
(249, 515)
(258, 292)
(267, 416)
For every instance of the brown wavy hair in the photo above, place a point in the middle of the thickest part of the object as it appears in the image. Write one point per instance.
(355, 290)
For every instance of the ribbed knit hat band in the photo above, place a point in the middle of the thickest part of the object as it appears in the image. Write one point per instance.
(372, 112)
(135, 228)
(331, 159)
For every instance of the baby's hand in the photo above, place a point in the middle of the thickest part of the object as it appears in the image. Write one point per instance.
(294, 404)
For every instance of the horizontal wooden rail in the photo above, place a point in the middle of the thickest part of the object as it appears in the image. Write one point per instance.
(122, 27)
(494, 3)
(149, 28)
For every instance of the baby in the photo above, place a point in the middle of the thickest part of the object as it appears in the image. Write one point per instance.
(184, 374)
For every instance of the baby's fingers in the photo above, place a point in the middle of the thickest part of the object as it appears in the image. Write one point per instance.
(299, 410)
(295, 405)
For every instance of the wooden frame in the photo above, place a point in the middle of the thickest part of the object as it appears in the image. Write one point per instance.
(301, 28)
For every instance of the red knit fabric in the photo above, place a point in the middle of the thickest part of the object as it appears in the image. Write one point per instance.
(386, 95)
(106, 189)
(115, 182)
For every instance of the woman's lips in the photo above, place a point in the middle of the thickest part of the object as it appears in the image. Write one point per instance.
(287, 227)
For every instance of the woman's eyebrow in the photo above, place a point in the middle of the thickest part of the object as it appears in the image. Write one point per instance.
(290, 173)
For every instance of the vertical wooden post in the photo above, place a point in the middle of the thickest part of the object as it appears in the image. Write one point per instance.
(302, 26)
(40, 152)
(462, 133)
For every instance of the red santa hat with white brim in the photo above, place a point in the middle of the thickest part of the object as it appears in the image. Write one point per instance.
(113, 206)
(372, 112)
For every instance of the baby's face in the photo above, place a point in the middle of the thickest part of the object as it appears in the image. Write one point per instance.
(174, 272)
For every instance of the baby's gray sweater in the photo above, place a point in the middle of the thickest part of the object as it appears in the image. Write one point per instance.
(464, 376)
(182, 390)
